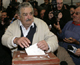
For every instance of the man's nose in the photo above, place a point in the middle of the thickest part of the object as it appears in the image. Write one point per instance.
(28, 16)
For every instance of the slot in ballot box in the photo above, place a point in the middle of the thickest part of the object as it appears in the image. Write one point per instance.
(21, 58)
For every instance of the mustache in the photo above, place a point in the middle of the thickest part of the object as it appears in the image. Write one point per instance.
(28, 20)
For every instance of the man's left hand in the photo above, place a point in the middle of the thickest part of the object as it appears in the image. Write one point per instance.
(43, 45)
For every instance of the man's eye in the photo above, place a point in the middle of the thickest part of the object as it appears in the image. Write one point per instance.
(31, 13)
(24, 14)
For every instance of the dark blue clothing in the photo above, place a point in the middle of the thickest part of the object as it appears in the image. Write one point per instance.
(71, 30)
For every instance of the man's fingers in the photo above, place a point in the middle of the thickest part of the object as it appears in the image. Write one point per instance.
(21, 45)
(26, 43)
(23, 42)
(28, 40)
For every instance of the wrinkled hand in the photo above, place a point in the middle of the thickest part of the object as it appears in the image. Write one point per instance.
(77, 52)
(22, 41)
(43, 45)
(50, 14)
(70, 40)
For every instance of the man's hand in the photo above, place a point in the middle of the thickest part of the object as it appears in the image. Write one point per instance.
(78, 52)
(58, 27)
(22, 41)
(43, 45)
(71, 40)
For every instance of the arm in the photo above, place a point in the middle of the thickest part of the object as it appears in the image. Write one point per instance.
(50, 38)
(12, 31)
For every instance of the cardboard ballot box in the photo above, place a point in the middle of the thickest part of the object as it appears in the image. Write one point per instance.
(21, 58)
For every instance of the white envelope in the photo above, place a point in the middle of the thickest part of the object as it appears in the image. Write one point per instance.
(34, 50)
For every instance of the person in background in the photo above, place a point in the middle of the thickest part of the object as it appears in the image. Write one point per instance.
(77, 4)
(72, 9)
(12, 8)
(3, 15)
(1, 6)
(52, 17)
(5, 55)
(13, 17)
(70, 34)
(65, 13)
(29, 30)
(66, 6)
(42, 12)
(46, 4)
(26, 0)
(62, 16)
(36, 12)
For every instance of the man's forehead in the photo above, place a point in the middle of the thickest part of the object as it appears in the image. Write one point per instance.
(26, 9)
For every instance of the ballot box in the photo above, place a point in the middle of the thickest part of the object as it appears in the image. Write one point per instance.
(21, 58)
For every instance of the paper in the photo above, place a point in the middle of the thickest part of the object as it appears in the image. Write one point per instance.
(34, 50)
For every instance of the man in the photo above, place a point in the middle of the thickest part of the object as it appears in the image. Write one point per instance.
(59, 4)
(51, 16)
(46, 4)
(42, 13)
(3, 15)
(65, 14)
(70, 35)
(29, 30)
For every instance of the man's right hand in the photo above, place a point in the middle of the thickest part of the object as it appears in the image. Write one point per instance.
(22, 41)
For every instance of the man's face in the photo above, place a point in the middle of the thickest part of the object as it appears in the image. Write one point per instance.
(46, 1)
(76, 16)
(59, 4)
(3, 15)
(26, 16)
